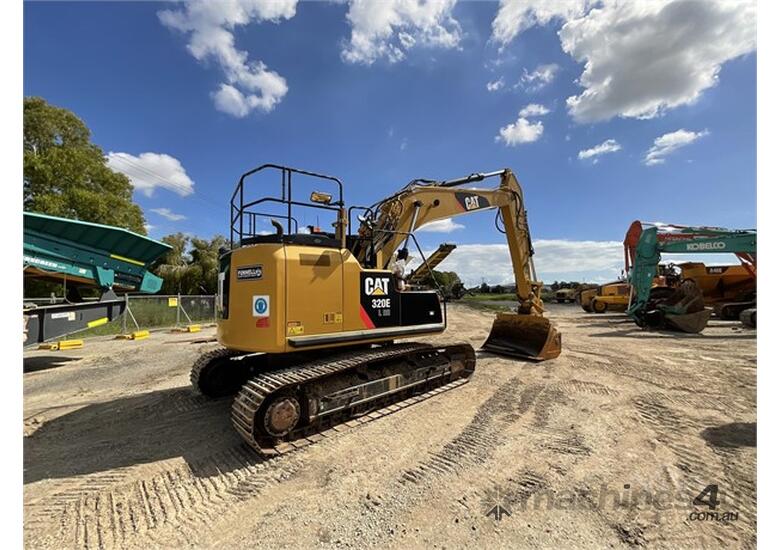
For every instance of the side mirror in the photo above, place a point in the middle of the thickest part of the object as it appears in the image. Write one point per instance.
(321, 198)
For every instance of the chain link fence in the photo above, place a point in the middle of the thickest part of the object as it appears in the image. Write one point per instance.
(148, 312)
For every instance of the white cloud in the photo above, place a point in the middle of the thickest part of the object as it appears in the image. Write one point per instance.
(514, 16)
(495, 85)
(608, 146)
(250, 84)
(521, 131)
(389, 28)
(149, 171)
(640, 58)
(149, 227)
(533, 109)
(441, 226)
(555, 259)
(668, 143)
(168, 215)
(540, 77)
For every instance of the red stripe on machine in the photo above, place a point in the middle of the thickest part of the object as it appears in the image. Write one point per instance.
(366, 319)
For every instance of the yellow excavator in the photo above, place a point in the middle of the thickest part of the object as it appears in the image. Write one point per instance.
(309, 320)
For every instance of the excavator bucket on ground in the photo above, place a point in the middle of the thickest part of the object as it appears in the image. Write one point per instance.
(682, 309)
(525, 336)
(689, 322)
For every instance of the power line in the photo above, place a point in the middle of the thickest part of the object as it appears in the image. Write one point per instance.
(136, 166)
(144, 170)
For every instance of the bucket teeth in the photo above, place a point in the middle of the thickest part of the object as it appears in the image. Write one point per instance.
(524, 336)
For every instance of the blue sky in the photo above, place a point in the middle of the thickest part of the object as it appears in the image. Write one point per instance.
(381, 94)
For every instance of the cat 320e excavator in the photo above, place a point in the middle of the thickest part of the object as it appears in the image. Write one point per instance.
(309, 320)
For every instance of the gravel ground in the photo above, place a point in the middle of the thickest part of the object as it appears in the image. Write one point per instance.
(606, 446)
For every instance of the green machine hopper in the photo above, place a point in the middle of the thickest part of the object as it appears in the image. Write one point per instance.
(84, 255)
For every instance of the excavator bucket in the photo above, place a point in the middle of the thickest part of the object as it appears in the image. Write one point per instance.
(524, 336)
(684, 309)
(689, 322)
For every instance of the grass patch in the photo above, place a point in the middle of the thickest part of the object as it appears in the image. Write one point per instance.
(151, 313)
(484, 306)
(509, 297)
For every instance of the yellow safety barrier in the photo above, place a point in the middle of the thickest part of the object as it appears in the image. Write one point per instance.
(188, 328)
(97, 322)
(137, 335)
(62, 345)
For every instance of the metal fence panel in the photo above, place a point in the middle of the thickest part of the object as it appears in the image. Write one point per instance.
(147, 312)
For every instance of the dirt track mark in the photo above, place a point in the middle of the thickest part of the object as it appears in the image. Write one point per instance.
(702, 464)
(581, 386)
(477, 442)
(187, 495)
(522, 486)
(547, 400)
(568, 444)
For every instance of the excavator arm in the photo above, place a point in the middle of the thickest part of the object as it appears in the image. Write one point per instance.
(386, 228)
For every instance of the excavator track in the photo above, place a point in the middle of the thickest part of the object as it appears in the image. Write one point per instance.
(276, 412)
(211, 376)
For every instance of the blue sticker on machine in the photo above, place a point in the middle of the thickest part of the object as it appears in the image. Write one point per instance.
(261, 306)
(249, 272)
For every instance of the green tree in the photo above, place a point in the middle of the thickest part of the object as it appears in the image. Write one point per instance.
(448, 281)
(191, 266)
(66, 175)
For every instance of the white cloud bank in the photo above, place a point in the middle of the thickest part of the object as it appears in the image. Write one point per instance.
(608, 146)
(441, 226)
(640, 58)
(250, 85)
(387, 29)
(666, 144)
(555, 259)
(168, 215)
(148, 171)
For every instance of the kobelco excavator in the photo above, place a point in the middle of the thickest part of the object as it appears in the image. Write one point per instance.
(681, 307)
(309, 321)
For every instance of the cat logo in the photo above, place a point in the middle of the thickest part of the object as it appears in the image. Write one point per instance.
(376, 286)
(472, 203)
